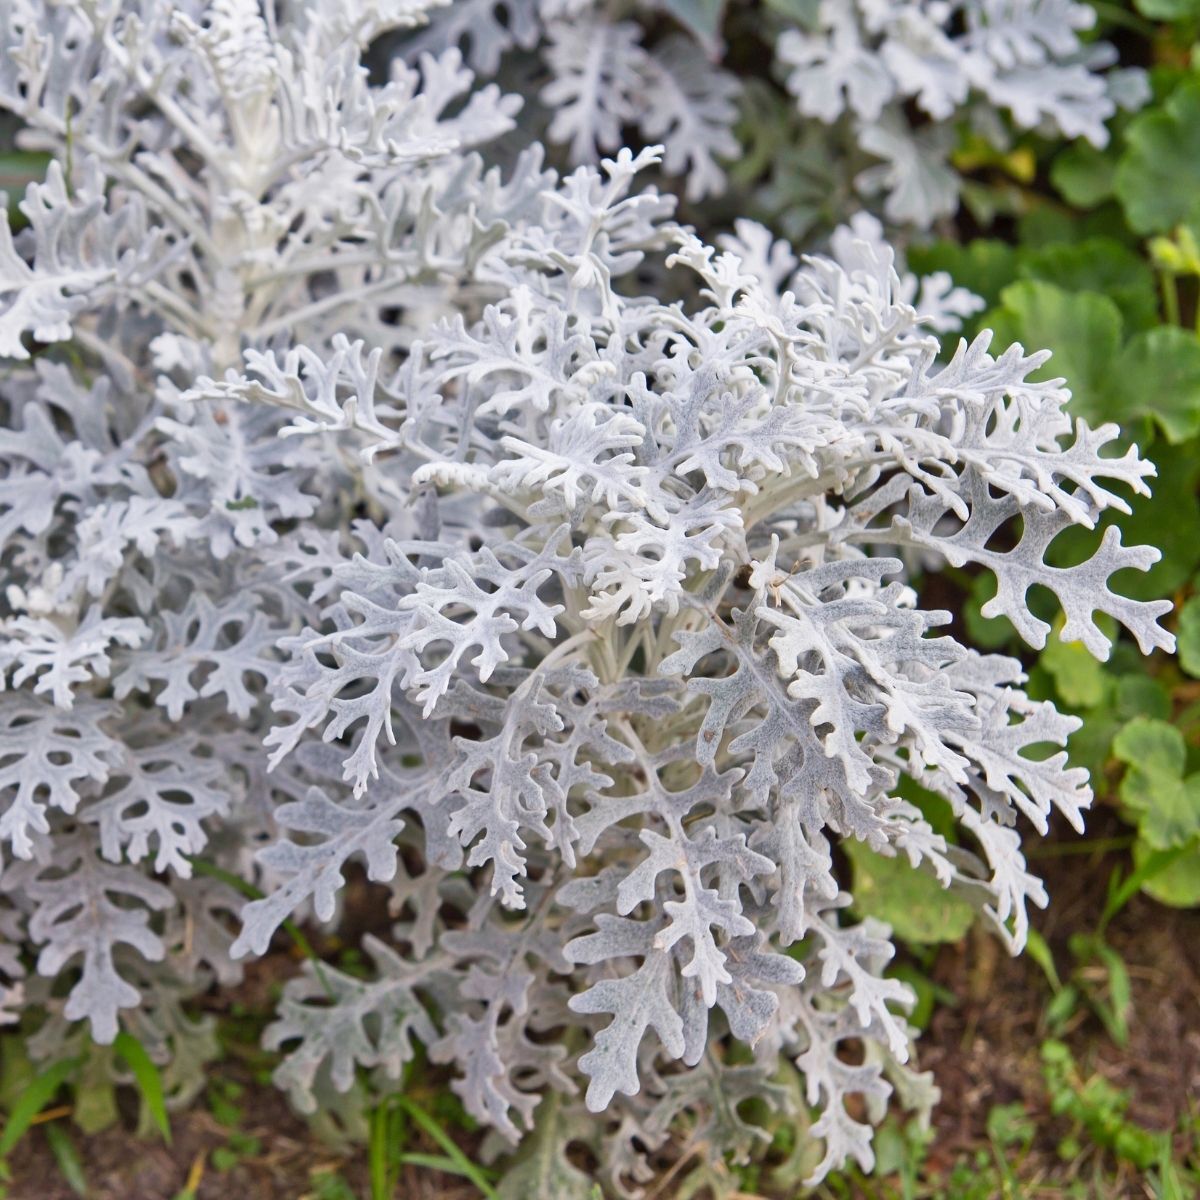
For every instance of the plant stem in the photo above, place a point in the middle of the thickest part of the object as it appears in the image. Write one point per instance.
(1170, 297)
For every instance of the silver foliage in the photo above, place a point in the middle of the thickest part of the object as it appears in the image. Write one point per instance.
(851, 67)
(362, 504)
(607, 481)
(214, 167)
(986, 61)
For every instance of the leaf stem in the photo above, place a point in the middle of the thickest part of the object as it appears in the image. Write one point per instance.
(1170, 297)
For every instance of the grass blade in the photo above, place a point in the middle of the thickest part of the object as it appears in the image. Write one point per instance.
(1038, 950)
(377, 1154)
(1120, 995)
(149, 1081)
(67, 1157)
(195, 1176)
(1120, 892)
(432, 1162)
(463, 1165)
(33, 1099)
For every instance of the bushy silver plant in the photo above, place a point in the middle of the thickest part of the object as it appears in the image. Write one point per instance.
(222, 178)
(984, 62)
(851, 66)
(361, 504)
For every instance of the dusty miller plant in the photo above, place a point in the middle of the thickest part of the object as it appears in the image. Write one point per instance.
(883, 85)
(899, 77)
(360, 504)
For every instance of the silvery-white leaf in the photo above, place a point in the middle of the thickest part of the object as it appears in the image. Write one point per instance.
(84, 909)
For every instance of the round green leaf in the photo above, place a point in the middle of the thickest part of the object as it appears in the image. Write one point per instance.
(1158, 375)
(983, 265)
(1188, 636)
(1168, 10)
(1155, 748)
(1158, 177)
(1141, 696)
(1166, 806)
(1177, 885)
(1079, 678)
(1082, 329)
(1170, 520)
(1101, 265)
(1084, 175)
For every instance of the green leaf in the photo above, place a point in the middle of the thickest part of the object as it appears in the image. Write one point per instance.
(1171, 1185)
(1170, 521)
(1173, 817)
(327, 1185)
(1167, 805)
(912, 902)
(1188, 636)
(983, 265)
(1083, 330)
(1062, 1007)
(1155, 748)
(701, 18)
(926, 993)
(802, 12)
(1177, 883)
(147, 1078)
(66, 1157)
(1084, 175)
(1048, 224)
(1168, 10)
(937, 810)
(459, 1163)
(19, 168)
(1079, 678)
(225, 1159)
(1158, 375)
(1097, 264)
(377, 1154)
(1158, 177)
(16, 1071)
(1039, 950)
(1120, 993)
(1090, 746)
(1141, 696)
(1149, 865)
(988, 201)
(95, 1106)
(1010, 1125)
(32, 1100)
(986, 633)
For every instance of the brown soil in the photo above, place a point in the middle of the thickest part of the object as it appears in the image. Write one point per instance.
(986, 1051)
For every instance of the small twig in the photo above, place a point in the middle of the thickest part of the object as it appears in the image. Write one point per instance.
(1088, 846)
(52, 1114)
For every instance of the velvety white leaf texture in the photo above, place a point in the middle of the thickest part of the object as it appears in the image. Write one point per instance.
(376, 500)
(1024, 61)
(652, 71)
